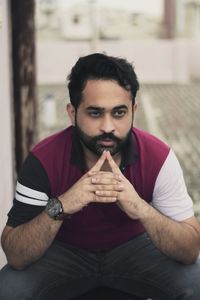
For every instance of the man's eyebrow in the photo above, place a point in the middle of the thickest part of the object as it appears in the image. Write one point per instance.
(102, 109)
(95, 108)
(120, 107)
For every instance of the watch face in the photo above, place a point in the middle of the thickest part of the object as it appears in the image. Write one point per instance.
(54, 207)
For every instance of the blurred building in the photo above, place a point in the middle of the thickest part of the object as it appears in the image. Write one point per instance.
(181, 19)
(84, 20)
(188, 18)
(47, 18)
(81, 21)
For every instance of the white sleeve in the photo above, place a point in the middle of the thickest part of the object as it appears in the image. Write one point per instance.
(170, 195)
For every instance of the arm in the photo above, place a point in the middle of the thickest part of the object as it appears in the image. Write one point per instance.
(28, 242)
(179, 239)
(29, 231)
(180, 231)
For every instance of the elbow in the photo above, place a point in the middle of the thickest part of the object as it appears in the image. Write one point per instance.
(13, 263)
(16, 264)
(13, 259)
(190, 259)
(193, 256)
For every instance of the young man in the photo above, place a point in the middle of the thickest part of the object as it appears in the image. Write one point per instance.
(101, 203)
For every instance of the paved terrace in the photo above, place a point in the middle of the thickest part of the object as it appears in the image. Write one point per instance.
(171, 112)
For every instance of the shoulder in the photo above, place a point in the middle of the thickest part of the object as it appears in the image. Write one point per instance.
(51, 143)
(170, 194)
(148, 139)
(152, 154)
(149, 145)
(54, 154)
(54, 148)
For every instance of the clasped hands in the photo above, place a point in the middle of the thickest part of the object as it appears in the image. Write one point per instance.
(103, 187)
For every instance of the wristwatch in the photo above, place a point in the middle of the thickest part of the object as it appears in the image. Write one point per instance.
(54, 209)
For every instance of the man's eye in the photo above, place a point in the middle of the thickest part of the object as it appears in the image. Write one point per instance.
(94, 114)
(119, 113)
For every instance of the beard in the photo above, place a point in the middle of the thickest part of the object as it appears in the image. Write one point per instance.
(94, 143)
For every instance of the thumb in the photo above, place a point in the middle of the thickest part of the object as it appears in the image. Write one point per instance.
(99, 164)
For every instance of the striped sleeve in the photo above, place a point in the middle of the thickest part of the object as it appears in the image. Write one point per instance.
(30, 196)
(32, 192)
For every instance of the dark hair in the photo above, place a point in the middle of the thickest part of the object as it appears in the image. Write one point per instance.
(101, 66)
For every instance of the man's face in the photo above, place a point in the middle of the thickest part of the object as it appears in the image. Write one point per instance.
(104, 118)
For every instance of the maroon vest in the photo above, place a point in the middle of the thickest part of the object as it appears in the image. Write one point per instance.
(100, 226)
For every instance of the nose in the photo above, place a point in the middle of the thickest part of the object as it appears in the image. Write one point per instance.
(107, 124)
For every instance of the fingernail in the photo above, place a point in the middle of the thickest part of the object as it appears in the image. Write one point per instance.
(98, 192)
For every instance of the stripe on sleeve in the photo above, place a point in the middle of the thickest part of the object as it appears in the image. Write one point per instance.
(30, 201)
(28, 192)
(30, 196)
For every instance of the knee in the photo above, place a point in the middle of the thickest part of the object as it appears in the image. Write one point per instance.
(188, 281)
(13, 284)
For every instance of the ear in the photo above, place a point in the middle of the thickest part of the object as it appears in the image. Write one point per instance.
(71, 112)
(135, 106)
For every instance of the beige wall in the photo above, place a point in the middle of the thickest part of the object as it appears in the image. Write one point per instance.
(156, 61)
(6, 166)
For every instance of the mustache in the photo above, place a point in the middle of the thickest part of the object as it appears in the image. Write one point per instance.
(106, 136)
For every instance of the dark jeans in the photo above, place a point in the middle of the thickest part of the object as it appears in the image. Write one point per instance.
(135, 267)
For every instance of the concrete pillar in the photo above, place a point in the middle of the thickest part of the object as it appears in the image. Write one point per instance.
(169, 19)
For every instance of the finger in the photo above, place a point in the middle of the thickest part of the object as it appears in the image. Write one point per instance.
(98, 164)
(112, 163)
(107, 193)
(105, 176)
(113, 187)
(104, 199)
(99, 175)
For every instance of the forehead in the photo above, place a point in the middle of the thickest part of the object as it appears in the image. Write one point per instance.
(105, 93)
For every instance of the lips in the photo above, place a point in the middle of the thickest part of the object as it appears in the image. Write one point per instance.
(106, 142)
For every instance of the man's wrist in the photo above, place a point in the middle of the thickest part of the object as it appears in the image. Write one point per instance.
(145, 210)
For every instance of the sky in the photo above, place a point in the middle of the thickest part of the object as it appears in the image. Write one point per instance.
(152, 7)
